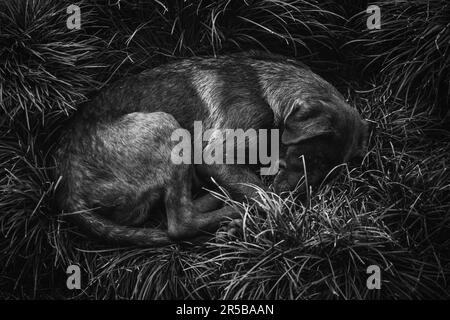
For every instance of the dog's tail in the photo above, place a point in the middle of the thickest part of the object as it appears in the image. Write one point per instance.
(93, 223)
(111, 232)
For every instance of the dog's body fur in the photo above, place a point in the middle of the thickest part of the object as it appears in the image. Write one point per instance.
(115, 157)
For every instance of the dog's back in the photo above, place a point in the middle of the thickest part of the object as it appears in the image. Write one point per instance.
(207, 88)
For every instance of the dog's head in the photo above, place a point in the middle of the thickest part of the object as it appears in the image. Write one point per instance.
(318, 134)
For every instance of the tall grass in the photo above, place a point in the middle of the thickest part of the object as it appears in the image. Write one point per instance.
(44, 65)
(153, 32)
(45, 71)
(410, 51)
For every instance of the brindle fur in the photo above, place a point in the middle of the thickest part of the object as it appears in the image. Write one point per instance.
(114, 158)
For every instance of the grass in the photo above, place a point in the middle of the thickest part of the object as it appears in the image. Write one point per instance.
(410, 50)
(46, 67)
(393, 210)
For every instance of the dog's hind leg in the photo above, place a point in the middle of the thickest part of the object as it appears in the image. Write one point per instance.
(184, 219)
(207, 203)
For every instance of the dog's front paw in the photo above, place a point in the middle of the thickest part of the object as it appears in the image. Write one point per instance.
(232, 229)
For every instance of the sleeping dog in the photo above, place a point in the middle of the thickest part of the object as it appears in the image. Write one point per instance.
(114, 159)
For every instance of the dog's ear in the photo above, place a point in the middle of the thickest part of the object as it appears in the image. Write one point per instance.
(305, 121)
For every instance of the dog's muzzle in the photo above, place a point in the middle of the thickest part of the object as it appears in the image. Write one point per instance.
(286, 180)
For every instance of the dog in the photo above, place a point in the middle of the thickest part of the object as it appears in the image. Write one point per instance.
(114, 158)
